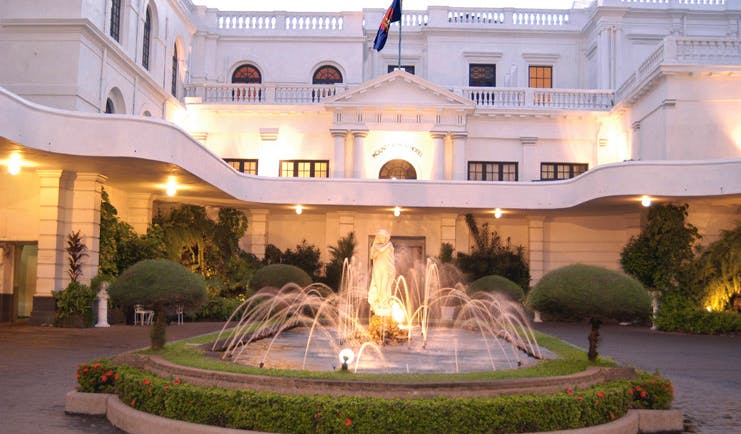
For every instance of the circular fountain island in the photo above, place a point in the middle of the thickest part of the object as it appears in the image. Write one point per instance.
(420, 320)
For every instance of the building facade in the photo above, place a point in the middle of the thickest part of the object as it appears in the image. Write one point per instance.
(550, 125)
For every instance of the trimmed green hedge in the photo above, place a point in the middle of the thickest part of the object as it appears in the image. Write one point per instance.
(278, 275)
(577, 292)
(498, 284)
(677, 313)
(263, 411)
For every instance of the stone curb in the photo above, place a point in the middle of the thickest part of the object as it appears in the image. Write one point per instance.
(138, 422)
(460, 389)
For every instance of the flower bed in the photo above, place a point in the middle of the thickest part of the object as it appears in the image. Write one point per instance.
(266, 411)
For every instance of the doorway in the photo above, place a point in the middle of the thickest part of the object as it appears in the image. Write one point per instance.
(18, 280)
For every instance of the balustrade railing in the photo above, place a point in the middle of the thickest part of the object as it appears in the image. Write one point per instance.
(268, 93)
(269, 21)
(536, 98)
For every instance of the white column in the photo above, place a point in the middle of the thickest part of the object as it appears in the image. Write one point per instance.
(530, 170)
(635, 142)
(339, 137)
(603, 57)
(536, 247)
(459, 156)
(139, 211)
(438, 155)
(86, 219)
(257, 226)
(358, 153)
(53, 227)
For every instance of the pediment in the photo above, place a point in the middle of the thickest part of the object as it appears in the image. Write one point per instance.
(399, 89)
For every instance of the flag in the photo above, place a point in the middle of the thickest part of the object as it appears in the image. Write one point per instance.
(393, 14)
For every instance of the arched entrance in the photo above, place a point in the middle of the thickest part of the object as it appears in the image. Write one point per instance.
(397, 169)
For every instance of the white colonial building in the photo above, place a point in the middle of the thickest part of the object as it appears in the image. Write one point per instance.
(551, 125)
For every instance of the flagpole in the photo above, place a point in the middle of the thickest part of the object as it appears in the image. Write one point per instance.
(401, 19)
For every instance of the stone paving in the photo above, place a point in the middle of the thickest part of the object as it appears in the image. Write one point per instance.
(37, 368)
(705, 370)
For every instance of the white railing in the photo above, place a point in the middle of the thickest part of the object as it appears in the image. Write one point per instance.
(269, 21)
(535, 98)
(268, 93)
(665, 3)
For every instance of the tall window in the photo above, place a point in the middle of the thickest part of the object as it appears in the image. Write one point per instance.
(540, 76)
(116, 19)
(556, 171)
(482, 75)
(492, 171)
(147, 40)
(174, 89)
(406, 68)
(304, 168)
(247, 166)
(109, 107)
(327, 74)
(397, 169)
(246, 74)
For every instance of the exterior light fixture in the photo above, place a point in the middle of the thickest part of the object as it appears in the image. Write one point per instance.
(171, 187)
(14, 163)
(397, 211)
(346, 357)
(299, 209)
(498, 213)
(645, 201)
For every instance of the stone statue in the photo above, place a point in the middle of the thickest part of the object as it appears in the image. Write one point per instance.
(383, 273)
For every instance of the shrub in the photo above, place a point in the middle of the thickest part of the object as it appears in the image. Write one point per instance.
(277, 275)
(498, 284)
(162, 284)
(74, 305)
(271, 412)
(579, 292)
(677, 313)
(218, 308)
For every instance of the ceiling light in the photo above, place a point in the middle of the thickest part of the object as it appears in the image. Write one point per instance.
(645, 201)
(172, 186)
(497, 213)
(299, 209)
(397, 211)
(14, 163)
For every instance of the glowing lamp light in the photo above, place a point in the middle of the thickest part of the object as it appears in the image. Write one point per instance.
(346, 357)
(397, 211)
(645, 201)
(708, 308)
(172, 186)
(14, 164)
(299, 209)
(498, 213)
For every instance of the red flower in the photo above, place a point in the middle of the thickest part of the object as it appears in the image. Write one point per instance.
(630, 392)
(97, 365)
(116, 377)
(85, 369)
(569, 391)
(638, 388)
(601, 394)
(579, 398)
(643, 394)
(348, 422)
(78, 376)
(166, 387)
(104, 378)
(612, 416)
(109, 373)
(177, 381)
(145, 382)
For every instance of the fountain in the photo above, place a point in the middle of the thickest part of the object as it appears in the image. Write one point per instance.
(406, 323)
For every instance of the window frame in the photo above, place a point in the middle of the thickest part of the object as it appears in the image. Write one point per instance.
(573, 168)
(537, 78)
(482, 82)
(407, 68)
(147, 38)
(296, 170)
(241, 163)
(315, 80)
(175, 71)
(247, 80)
(115, 30)
(499, 167)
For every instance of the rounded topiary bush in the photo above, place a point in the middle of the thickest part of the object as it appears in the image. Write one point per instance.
(578, 292)
(498, 284)
(277, 275)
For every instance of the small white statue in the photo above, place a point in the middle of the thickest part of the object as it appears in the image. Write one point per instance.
(383, 273)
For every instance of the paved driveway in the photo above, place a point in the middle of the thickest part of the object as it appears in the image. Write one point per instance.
(705, 370)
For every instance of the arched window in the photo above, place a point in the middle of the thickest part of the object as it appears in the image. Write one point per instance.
(116, 19)
(397, 169)
(109, 107)
(246, 74)
(175, 61)
(327, 74)
(147, 40)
